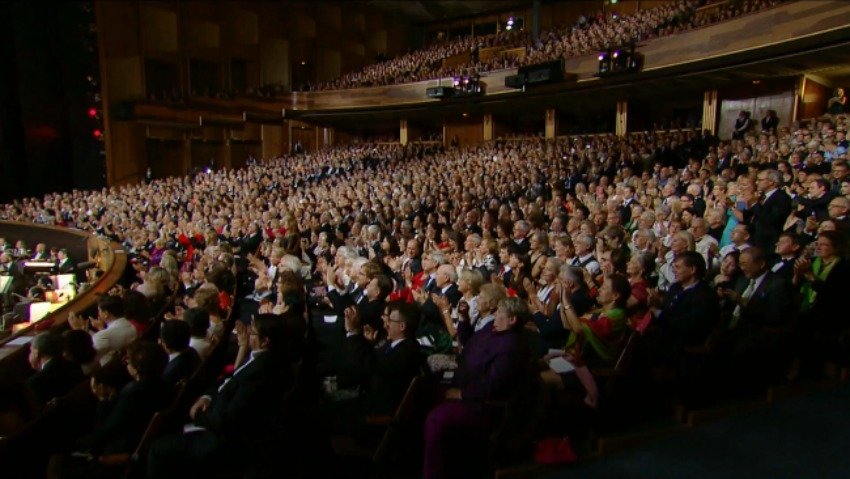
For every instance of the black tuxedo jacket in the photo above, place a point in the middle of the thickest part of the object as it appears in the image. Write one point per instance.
(65, 267)
(385, 372)
(250, 243)
(54, 380)
(244, 406)
(181, 367)
(784, 269)
(770, 304)
(626, 211)
(371, 312)
(768, 219)
(524, 245)
(689, 316)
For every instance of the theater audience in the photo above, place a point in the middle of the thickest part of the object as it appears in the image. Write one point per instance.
(111, 330)
(54, 375)
(78, 348)
(123, 416)
(199, 324)
(368, 197)
(174, 336)
(490, 368)
(234, 419)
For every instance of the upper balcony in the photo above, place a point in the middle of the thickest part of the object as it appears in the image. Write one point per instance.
(785, 40)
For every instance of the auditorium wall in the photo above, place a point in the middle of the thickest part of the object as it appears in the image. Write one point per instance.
(467, 132)
(813, 99)
(215, 46)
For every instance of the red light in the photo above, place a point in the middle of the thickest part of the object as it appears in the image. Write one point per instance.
(92, 112)
(97, 133)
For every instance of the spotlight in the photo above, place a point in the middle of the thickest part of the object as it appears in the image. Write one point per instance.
(617, 53)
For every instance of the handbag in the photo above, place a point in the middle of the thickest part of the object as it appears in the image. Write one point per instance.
(555, 450)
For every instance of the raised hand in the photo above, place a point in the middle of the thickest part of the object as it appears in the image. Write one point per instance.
(463, 310)
(352, 319)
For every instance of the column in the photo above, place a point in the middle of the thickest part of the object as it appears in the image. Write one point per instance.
(227, 160)
(709, 111)
(402, 132)
(327, 137)
(318, 139)
(488, 127)
(621, 125)
(551, 124)
(187, 152)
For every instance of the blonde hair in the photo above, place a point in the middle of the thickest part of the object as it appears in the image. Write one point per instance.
(473, 278)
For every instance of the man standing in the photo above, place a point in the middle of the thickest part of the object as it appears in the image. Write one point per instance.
(767, 217)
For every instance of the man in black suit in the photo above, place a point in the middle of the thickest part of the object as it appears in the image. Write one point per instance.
(249, 243)
(174, 337)
(361, 273)
(788, 250)
(387, 371)
(758, 329)
(371, 309)
(767, 217)
(120, 426)
(64, 265)
(445, 280)
(232, 421)
(625, 209)
(520, 233)
(54, 375)
(690, 310)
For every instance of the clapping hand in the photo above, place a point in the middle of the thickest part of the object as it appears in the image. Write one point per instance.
(352, 319)
(463, 310)
(442, 302)
(77, 322)
(803, 267)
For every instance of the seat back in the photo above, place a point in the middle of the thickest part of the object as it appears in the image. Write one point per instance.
(402, 418)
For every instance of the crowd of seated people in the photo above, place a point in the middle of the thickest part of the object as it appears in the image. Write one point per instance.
(518, 265)
(590, 34)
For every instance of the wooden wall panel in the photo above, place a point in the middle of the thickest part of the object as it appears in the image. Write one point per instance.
(158, 29)
(119, 22)
(272, 141)
(241, 150)
(305, 136)
(813, 100)
(467, 133)
(329, 64)
(124, 79)
(563, 13)
(200, 35)
(274, 62)
(249, 132)
(206, 152)
(165, 158)
(129, 158)
(243, 27)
